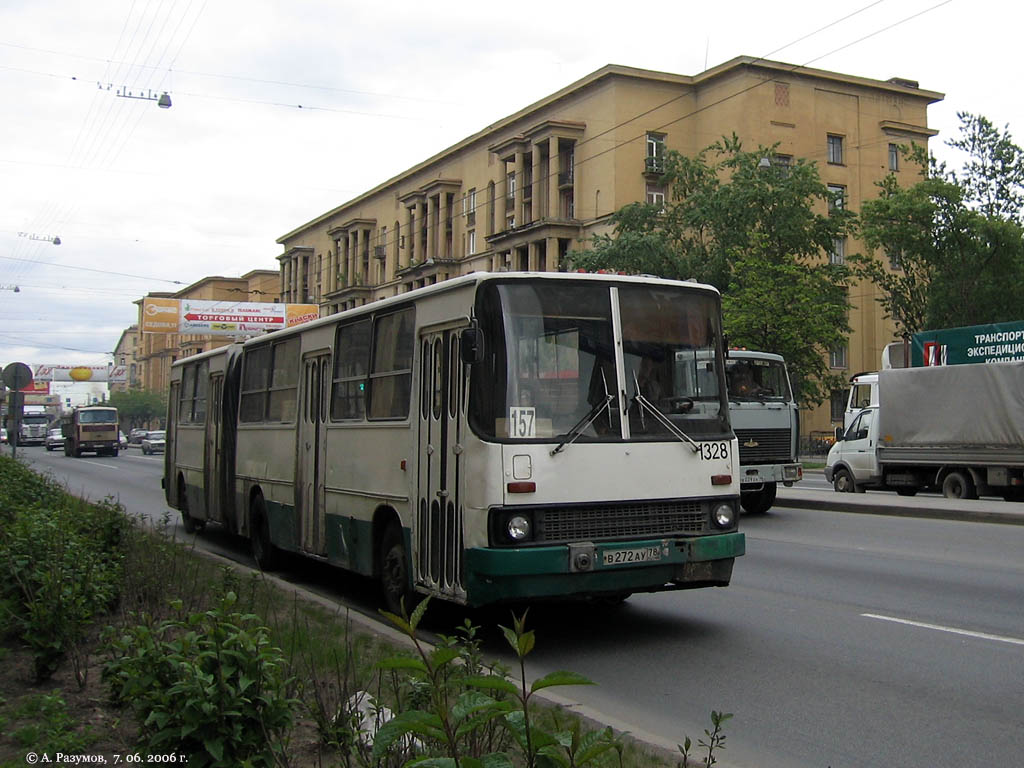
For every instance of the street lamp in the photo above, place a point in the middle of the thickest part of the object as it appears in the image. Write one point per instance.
(163, 100)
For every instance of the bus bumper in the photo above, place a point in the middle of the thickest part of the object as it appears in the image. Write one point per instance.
(606, 568)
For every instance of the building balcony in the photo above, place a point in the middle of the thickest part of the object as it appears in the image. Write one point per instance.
(654, 165)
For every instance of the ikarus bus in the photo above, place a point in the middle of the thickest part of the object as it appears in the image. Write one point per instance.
(494, 437)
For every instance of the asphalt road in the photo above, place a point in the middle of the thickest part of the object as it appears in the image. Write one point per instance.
(844, 640)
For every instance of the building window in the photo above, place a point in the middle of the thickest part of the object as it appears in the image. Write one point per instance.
(469, 207)
(656, 196)
(838, 253)
(837, 198)
(510, 185)
(895, 259)
(835, 149)
(894, 157)
(837, 357)
(470, 242)
(837, 404)
(654, 162)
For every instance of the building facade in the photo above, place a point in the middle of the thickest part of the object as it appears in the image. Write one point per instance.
(157, 351)
(525, 191)
(126, 356)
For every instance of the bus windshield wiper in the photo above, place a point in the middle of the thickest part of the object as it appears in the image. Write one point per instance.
(661, 418)
(577, 429)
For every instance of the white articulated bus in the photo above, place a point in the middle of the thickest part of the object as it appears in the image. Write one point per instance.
(495, 437)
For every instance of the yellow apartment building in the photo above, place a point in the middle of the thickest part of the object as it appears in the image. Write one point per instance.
(157, 351)
(521, 193)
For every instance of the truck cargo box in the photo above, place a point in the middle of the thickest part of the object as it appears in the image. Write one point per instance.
(977, 407)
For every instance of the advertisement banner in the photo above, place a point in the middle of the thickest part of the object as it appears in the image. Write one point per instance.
(159, 315)
(222, 318)
(990, 343)
(77, 373)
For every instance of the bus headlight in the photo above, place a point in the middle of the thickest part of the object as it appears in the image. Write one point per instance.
(518, 528)
(724, 515)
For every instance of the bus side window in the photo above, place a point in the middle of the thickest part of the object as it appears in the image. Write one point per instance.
(351, 364)
(284, 382)
(255, 376)
(391, 368)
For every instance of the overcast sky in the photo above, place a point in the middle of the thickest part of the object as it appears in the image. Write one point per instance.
(147, 199)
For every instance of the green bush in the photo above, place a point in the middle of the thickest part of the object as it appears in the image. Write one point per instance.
(210, 685)
(60, 565)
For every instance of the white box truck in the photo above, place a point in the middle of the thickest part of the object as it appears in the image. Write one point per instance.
(958, 429)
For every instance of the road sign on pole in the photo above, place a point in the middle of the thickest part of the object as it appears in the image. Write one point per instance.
(17, 376)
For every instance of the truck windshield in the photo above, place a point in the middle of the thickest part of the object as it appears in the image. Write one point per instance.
(757, 379)
(98, 417)
(550, 369)
(35, 418)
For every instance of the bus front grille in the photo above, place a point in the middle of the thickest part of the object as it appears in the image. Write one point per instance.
(614, 521)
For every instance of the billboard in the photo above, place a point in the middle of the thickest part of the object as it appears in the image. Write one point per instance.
(80, 373)
(990, 343)
(221, 318)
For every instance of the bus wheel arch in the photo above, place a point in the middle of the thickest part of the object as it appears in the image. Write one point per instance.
(190, 524)
(392, 564)
(266, 555)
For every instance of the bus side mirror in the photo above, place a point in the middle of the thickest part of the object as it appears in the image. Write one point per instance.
(471, 346)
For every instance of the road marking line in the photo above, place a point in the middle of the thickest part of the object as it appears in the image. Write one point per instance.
(951, 630)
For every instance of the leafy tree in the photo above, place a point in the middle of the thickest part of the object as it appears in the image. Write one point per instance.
(757, 231)
(954, 241)
(137, 407)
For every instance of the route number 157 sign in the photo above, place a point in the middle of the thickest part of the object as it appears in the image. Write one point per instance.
(522, 422)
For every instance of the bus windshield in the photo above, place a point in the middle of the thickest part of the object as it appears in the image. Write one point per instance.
(550, 366)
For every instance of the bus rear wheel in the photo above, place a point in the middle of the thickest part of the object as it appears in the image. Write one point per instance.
(190, 524)
(266, 555)
(394, 572)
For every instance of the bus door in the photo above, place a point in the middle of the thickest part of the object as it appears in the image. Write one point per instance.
(213, 456)
(312, 454)
(438, 532)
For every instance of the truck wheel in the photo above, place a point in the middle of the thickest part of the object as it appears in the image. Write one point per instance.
(394, 571)
(759, 502)
(842, 481)
(959, 485)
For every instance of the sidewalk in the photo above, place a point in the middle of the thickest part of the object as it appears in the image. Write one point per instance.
(987, 510)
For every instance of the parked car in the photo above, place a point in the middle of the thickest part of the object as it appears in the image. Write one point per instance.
(3, 434)
(122, 441)
(136, 435)
(54, 440)
(153, 442)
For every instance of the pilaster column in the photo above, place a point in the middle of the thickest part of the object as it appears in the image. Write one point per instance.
(421, 224)
(442, 228)
(552, 181)
(517, 209)
(537, 211)
(432, 227)
(552, 254)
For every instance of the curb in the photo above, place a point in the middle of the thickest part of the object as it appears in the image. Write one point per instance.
(860, 506)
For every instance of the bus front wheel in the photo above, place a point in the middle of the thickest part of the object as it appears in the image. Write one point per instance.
(394, 571)
(266, 555)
